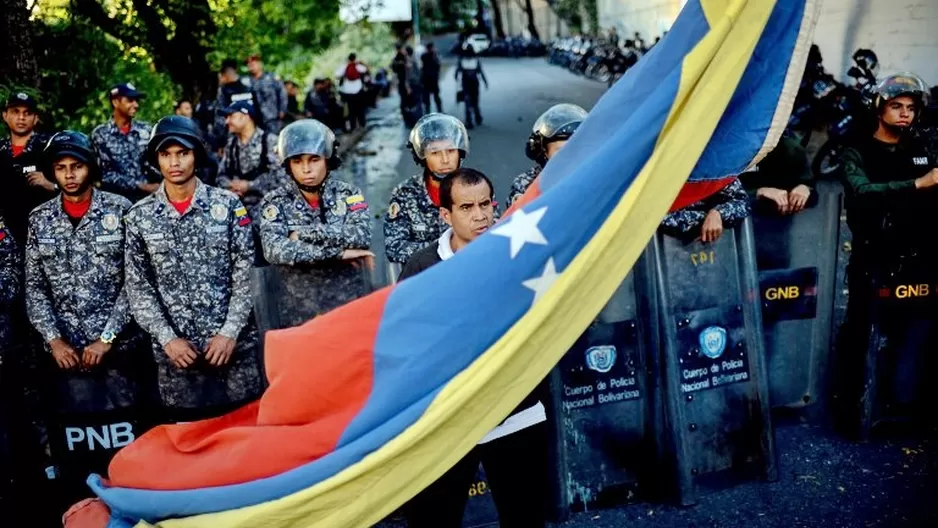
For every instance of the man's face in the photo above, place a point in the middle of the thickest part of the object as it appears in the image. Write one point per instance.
(256, 67)
(20, 119)
(177, 164)
(125, 106)
(309, 169)
(229, 76)
(72, 175)
(237, 122)
(442, 158)
(554, 147)
(291, 90)
(899, 112)
(185, 109)
(473, 212)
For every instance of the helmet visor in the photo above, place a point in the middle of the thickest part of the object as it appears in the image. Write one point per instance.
(903, 84)
(561, 119)
(307, 136)
(436, 132)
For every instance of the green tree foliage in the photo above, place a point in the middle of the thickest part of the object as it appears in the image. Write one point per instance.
(167, 48)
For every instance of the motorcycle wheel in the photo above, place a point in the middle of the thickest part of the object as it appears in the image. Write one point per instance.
(827, 161)
(602, 73)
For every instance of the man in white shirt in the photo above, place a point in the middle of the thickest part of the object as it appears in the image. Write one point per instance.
(514, 454)
(351, 86)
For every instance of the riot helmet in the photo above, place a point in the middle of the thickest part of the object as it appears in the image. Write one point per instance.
(308, 136)
(556, 124)
(900, 84)
(180, 130)
(434, 132)
(69, 143)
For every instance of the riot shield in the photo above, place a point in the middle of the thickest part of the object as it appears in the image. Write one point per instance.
(94, 412)
(797, 260)
(286, 296)
(718, 427)
(603, 441)
(903, 315)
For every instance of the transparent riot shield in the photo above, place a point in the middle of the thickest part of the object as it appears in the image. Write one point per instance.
(603, 439)
(797, 260)
(286, 296)
(718, 427)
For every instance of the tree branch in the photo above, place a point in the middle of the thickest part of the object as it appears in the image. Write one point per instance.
(94, 12)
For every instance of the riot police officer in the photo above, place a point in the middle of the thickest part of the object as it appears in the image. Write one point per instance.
(189, 255)
(119, 145)
(249, 165)
(10, 284)
(439, 144)
(549, 134)
(316, 229)
(76, 301)
(891, 191)
(21, 178)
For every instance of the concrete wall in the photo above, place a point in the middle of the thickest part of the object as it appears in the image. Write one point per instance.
(651, 18)
(515, 22)
(903, 33)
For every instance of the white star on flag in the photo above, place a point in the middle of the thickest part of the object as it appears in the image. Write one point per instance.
(521, 228)
(541, 284)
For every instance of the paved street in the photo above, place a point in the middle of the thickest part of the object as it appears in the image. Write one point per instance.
(824, 481)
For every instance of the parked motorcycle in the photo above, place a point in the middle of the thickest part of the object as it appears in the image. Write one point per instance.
(847, 111)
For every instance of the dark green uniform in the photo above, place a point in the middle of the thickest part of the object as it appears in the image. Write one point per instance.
(785, 168)
(888, 218)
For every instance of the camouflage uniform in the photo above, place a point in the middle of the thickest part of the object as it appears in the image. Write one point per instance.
(522, 182)
(272, 99)
(121, 157)
(412, 221)
(731, 201)
(188, 276)
(10, 266)
(313, 278)
(254, 162)
(75, 291)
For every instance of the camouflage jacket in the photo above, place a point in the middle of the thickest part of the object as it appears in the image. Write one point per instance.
(253, 162)
(522, 182)
(732, 202)
(272, 98)
(188, 276)
(341, 222)
(121, 157)
(313, 280)
(10, 266)
(75, 275)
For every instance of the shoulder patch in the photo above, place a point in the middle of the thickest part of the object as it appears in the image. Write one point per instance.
(393, 210)
(219, 212)
(270, 213)
(354, 199)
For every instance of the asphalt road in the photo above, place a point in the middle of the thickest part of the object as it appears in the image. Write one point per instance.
(519, 91)
(825, 481)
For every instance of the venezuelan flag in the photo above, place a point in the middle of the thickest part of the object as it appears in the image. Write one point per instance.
(372, 402)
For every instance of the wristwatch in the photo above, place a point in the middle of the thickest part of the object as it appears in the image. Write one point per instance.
(108, 337)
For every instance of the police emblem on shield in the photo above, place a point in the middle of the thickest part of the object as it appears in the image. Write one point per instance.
(219, 212)
(270, 212)
(110, 222)
(601, 358)
(713, 341)
(340, 208)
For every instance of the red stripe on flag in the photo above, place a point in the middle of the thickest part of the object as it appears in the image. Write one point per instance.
(321, 375)
(696, 191)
